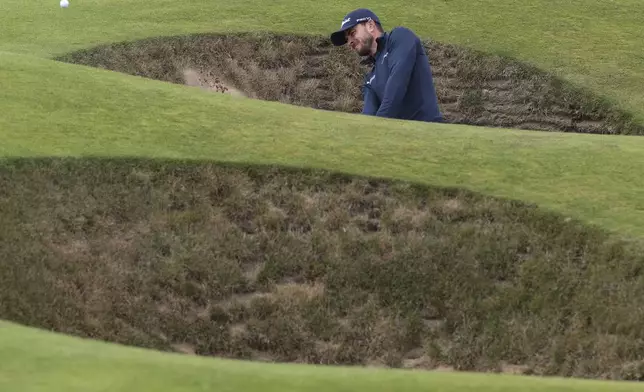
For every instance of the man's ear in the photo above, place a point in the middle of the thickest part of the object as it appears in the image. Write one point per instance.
(371, 26)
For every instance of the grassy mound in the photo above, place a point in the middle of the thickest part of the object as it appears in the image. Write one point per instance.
(604, 56)
(472, 87)
(121, 251)
(68, 364)
(314, 267)
(111, 114)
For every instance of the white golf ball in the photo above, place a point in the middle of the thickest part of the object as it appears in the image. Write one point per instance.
(64, 3)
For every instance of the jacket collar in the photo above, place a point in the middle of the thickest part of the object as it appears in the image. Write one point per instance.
(381, 41)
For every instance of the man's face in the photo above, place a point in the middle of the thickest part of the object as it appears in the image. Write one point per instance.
(360, 39)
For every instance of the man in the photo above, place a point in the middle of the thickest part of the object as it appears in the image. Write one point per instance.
(400, 84)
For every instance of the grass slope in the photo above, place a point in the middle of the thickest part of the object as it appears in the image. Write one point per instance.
(100, 113)
(598, 44)
(62, 110)
(69, 364)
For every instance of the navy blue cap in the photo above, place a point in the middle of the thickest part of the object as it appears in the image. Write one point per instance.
(351, 19)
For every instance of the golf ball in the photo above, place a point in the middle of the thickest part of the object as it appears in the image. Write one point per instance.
(64, 3)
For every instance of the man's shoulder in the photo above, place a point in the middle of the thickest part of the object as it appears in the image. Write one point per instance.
(402, 32)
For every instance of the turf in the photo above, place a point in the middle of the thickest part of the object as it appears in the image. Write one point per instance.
(64, 363)
(595, 43)
(78, 110)
(98, 113)
(53, 109)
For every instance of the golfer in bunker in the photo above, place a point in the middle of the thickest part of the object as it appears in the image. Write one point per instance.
(400, 83)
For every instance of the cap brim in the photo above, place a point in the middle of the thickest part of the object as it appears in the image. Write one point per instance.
(338, 38)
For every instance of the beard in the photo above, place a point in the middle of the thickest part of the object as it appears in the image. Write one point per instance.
(364, 47)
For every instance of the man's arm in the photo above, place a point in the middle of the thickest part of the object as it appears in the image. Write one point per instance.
(370, 101)
(402, 58)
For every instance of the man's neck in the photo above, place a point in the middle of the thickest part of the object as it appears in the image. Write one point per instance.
(375, 46)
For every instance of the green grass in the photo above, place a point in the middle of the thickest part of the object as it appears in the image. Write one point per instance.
(69, 364)
(53, 109)
(80, 112)
(588, 42)
(598, 44)
(99, 113)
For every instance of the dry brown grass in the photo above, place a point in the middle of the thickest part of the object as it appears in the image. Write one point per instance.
(313, 267)
(473, 88)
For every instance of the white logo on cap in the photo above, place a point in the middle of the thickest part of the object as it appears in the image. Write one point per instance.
(347, 20)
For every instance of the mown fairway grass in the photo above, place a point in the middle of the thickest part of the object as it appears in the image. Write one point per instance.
(96, 113)
(598, 44)
(57, 109)
(62, 363)
(87, 112)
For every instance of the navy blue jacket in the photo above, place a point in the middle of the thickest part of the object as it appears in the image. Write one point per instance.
(400, 84)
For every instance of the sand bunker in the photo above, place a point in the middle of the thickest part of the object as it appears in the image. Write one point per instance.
(472, 87)
(209, 82)
(310, 266)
